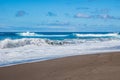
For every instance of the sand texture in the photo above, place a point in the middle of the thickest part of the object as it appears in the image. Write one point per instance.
(85, 67)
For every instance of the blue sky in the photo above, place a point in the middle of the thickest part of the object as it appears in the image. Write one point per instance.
(60, 15)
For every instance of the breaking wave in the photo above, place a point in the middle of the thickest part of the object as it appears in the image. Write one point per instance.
(38, 35)
(28, 34)
(9, 43)
(98, 35)
(74, 35)
(12, 43)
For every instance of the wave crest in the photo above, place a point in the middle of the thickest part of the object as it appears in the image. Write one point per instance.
(9, 43)
(98, 35)
(39, 35)
(28, 34)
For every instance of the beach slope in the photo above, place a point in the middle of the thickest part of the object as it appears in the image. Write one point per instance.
(85, 67)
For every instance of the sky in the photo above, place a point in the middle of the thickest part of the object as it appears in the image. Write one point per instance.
(60, 15)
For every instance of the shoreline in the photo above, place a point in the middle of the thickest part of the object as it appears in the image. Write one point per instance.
(104, 66)
(53, 58)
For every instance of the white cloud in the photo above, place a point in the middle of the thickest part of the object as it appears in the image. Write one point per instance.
(81, 15)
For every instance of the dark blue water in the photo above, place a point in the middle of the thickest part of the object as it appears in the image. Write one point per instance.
(57, 35)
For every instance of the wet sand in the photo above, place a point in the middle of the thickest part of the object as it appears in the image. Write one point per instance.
(84, 67)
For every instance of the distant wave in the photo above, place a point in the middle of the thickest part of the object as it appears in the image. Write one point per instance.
(38, 35)
(28, 34)
(98, 35)
(32, 34)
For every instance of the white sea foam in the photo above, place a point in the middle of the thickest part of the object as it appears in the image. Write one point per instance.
(28, 34)
(39, 35)
(98, 35)
(14, 43)
(9, 43)
(40, 49)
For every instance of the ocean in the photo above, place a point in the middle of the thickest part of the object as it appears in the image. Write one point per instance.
(26, 47)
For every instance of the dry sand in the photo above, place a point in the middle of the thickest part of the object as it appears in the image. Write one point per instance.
(86, 67)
